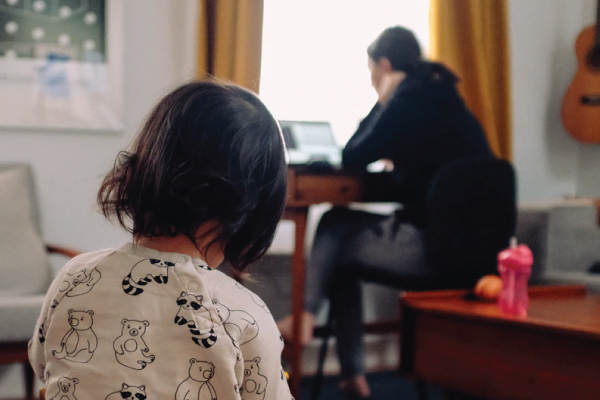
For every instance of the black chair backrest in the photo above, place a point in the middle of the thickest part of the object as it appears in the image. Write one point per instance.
(471, 217)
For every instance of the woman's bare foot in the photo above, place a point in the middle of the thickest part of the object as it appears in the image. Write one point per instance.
(356, 387)
(286, 327)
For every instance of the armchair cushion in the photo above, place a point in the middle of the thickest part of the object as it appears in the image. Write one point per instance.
(18, 316)
(24, 264)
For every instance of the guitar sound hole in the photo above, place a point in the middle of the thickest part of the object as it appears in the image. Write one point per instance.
(593, 59)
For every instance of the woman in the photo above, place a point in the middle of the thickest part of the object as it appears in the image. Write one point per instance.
(419, 124)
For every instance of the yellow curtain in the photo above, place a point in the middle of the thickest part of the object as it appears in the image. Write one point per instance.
(230, 41)
(471, 37)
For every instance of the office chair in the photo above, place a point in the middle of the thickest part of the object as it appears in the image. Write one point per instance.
(471, 217)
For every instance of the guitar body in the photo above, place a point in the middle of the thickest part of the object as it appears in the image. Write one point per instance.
(581, 103)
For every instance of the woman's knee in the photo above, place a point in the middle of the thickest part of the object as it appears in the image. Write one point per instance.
(334, 220)
(335, 215)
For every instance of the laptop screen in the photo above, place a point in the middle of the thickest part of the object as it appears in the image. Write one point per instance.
(309, 141)
(307, 133)
(314, 134)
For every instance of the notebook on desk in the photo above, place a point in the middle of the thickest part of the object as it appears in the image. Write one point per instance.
(311, 144)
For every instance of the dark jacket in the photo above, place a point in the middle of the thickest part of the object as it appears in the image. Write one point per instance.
(424, 126)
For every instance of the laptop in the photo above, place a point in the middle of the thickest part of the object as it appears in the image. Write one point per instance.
(311, 143)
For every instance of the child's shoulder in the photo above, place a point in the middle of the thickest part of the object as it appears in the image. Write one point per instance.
(234, 295)
(87, 260)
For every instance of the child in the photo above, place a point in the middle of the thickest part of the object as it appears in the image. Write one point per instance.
(204, 182)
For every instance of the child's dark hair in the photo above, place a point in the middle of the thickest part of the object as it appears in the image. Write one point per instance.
(208, 152)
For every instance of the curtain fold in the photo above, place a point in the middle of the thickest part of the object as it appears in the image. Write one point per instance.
(230, 41)
(471, 37)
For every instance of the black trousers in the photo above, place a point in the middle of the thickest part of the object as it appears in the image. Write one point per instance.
(350, 247)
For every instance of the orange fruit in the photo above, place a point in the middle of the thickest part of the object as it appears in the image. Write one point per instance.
(489, 287)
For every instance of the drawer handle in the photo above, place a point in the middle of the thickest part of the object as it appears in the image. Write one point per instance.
(344, 189)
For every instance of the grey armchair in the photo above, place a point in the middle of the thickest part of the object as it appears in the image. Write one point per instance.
(24, 266)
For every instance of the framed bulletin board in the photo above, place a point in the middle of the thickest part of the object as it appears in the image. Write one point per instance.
(59, 64)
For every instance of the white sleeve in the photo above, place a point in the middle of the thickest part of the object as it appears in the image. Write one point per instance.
(37, 343)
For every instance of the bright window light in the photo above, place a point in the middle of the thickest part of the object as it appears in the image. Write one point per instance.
(314, 56)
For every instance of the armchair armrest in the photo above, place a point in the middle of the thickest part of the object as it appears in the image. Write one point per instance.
(62, 251)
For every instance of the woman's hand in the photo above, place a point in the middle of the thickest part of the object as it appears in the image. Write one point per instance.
(389, 84)
(388, 165)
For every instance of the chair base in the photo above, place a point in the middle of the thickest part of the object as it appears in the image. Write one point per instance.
(16, 352)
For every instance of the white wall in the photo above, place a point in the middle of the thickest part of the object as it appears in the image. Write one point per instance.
(158, 53)
(550, 164)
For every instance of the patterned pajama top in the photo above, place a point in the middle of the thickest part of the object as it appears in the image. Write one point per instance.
(135, 323)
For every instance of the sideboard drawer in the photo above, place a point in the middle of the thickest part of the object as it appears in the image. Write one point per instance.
(305, 189)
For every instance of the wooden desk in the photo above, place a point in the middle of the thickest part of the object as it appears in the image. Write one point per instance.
(307, 188)
(471, 347)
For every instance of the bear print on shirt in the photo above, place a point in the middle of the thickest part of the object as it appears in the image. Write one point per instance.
(130, 348)
(197, 386)
(255, 384)
(143, 273)
(189, 305)
(257, 300)
(128, 392)
(240, 325)
(76, 284)
(66, 389)
(80, 342)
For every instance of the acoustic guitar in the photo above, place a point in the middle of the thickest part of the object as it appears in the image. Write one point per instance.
(581, 104)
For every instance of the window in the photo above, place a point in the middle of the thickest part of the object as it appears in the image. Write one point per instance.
(314, 58)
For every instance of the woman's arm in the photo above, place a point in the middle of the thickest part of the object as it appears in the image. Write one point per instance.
(363, 130)
(392, 132)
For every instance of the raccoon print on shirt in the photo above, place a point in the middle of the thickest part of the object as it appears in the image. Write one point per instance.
(188, 306)
(42, 331)
(145, 272)
(129, 392)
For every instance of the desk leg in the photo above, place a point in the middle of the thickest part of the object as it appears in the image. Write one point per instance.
(298, 266)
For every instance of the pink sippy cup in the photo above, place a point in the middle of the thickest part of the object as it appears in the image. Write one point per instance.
(514, 265)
